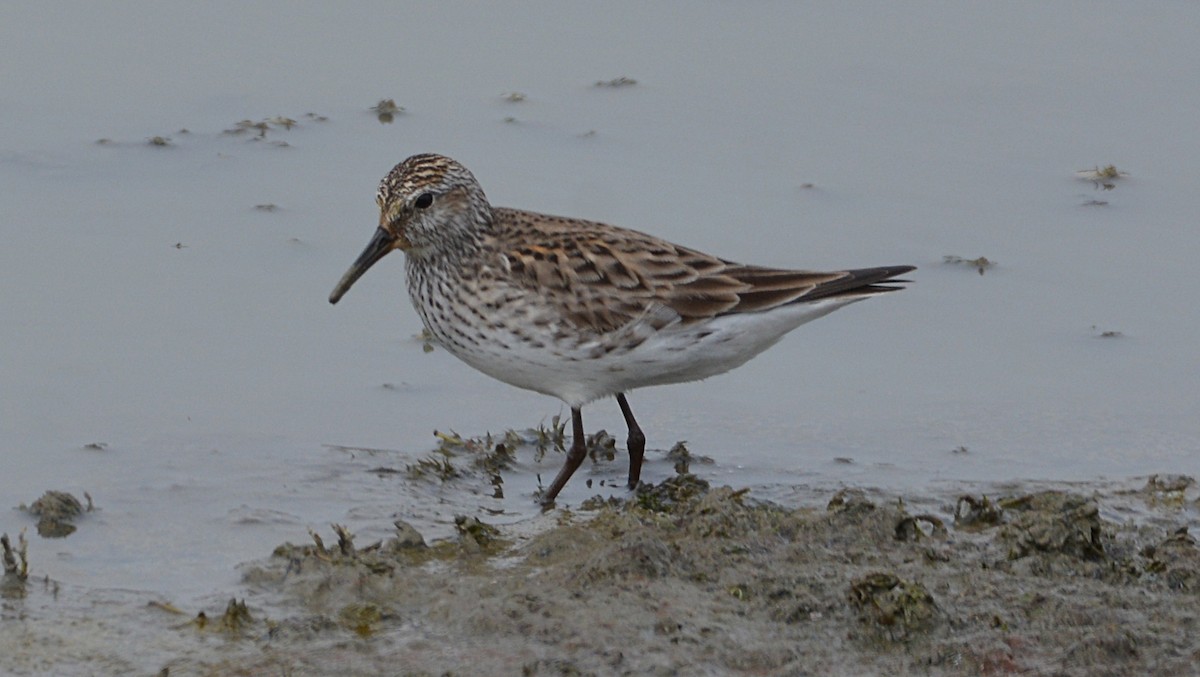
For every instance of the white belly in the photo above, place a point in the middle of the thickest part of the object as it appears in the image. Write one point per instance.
(579, 372)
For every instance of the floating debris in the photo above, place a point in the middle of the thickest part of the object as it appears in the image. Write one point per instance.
(981, 264)
(1107, 333)
(387, 110)
(601, 447)
(369, 451)
(616, 82)
(267, 207)
(56, 511)
(437, 464)
(554, 437)
(1102, 178)
(427, 339)
(682, 459)
(246, 126)
(259, 129)
(159, 141)
(16, 562)
(513, 97)
(96, 446)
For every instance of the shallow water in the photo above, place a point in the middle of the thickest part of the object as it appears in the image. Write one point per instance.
(153, 311)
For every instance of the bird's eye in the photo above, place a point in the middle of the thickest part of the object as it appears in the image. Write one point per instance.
(423, 200)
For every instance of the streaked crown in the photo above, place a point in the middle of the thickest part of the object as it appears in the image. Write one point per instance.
(434, 202)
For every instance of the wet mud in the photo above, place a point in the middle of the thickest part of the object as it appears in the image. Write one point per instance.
(687, 579)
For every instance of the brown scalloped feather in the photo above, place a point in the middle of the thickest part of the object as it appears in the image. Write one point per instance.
(619, 275)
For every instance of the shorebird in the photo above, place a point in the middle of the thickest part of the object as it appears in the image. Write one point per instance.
(581, 310)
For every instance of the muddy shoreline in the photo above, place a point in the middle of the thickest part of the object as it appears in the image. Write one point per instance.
(678, 578)
(687, 579)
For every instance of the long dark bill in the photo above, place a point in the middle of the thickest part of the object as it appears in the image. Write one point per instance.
(376, 249)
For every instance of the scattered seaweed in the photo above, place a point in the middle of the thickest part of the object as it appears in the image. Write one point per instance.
(1175, 561)
(668, 495)
(616, 82)
(897, 607)
(387, 110)
(437, 465)
(478, 535)
(976, 514)
(687, 578)
(16, 566)
(921, 527)
(235, 620)
(980, 264)
(254, 130)
(552, 438)
(427, 339)
(682, 459)
(56, 512)
(1102, 178)
(486, 455)
(601, 447)
(1052, 522)
(1168, 490)
(1106, 333)
(257, 131)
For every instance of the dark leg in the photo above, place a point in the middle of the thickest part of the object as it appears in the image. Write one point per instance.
(574, 458)
(636, 442)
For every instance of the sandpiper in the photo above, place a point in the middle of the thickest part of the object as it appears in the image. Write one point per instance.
(581, 310)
